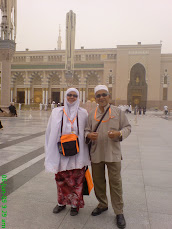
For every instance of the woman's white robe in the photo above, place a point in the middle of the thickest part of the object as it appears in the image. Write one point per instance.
(54, 161)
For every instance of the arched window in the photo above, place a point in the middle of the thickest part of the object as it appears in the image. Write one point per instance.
(165, 79)
(110, 79)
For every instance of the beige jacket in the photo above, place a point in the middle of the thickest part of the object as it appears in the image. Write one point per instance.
(104, 148)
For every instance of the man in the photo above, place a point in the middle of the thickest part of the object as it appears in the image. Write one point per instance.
(105, 150)
(166, 110)
(12, 110)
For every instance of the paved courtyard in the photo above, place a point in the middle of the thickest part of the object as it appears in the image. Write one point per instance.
(31, 193)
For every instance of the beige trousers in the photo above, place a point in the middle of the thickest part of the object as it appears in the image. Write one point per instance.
(115, 183)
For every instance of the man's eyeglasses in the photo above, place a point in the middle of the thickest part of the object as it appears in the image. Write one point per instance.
(103, 95)
(72, 95)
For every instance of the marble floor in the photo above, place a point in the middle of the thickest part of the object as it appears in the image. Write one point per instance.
(31, 192)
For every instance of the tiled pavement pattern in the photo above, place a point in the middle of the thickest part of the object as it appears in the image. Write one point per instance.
(146, 173)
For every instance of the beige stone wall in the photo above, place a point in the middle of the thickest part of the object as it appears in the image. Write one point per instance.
(110, 71)
(147, 55)
(154, 74)
(5, 83)
(166, 69)
(121, 74)
(99, 62)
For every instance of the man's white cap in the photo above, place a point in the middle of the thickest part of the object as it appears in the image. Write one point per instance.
(100, 87)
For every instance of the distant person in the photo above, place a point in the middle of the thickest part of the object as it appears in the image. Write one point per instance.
(1, 110)
(127, 109)
(144, 110)
(1, 126)
(135, 110)
(53, 105)
(166, 110)
(130, 108)
(140, 110)
(12, 110)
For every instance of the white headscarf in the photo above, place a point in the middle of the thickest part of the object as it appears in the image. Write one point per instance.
(71, 110)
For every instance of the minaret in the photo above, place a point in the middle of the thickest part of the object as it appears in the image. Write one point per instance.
(7, 46)
(9, 19)
(70, 41)
(59, 42)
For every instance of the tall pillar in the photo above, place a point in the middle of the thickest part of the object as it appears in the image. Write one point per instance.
(80, 94)
(25, 95)
(43, 98)
(46, 100)
(64, 93)
(61, 95)
(83, 95)
(7, 49)
(70, 40)
(28, 96)
(11, 95)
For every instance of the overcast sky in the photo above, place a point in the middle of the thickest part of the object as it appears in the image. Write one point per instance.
(99, 23)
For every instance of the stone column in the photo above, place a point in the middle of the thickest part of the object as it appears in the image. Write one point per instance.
(25, 95)
(11, 95)
(61, 95)
(64, 93)
(43, 98)
(83, 95)
(7, 49)
(46, 101)
(80, 94)
(28, 96)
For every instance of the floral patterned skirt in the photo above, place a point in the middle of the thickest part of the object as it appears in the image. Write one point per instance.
(70, 187)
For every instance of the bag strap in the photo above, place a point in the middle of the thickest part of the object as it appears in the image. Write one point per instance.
(77, 123)
(101, 118)
(62, 123)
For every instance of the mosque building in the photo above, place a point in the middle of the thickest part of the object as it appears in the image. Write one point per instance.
(135, 74)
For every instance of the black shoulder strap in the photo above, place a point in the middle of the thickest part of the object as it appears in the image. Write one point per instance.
(62, 123)
(77, 124)
(101, 118)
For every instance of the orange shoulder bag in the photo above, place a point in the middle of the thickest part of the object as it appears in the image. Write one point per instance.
(69, 143)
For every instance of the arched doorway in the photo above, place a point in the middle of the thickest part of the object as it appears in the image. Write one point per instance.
(137, 87)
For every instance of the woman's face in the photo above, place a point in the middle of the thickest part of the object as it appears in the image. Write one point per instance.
(72, 96)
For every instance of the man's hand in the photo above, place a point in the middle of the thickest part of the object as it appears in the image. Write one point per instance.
(113, 134)
(93, 136)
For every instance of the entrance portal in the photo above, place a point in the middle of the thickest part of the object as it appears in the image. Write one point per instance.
(56, 97)
(20, 96)
(137, 87)
(37, 95)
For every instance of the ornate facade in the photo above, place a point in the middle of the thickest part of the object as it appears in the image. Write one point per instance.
(136, 74)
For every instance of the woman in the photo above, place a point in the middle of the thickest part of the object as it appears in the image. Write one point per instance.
(69, 170)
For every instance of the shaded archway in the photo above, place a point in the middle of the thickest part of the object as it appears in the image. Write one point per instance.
(93, 79)
(137, 87)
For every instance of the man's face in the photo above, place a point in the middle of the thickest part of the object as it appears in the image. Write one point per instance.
(102, 98)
